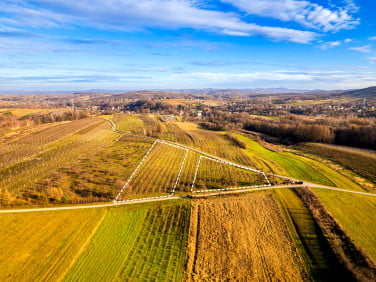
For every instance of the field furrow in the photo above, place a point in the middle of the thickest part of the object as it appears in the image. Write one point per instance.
(142, 243)
(241, 238)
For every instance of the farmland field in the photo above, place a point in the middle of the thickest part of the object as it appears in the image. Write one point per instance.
(145, 241)
(36, 142)
(130, 124)
(262, 249)
(257, 236)
(296, 165)
(355, 214)
(29, 178)
(210, 142)
(213, 174)
(306, 233)
(103, 174)
(358, 161)
(158, 173)
(41, 246)
(19, 112)
(142, 243)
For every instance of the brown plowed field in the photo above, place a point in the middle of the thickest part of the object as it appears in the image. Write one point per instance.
(242, 238)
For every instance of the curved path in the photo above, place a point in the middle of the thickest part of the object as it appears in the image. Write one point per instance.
(172, 197)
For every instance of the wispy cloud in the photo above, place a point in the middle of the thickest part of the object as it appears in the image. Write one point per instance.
(363, 49)
(211, 63)
(188, 44)
(330, 44)
(372, 38)
(19, 13)
(305, 13)
(90, 41)
(161, 54)
(17, 34)
(134, 15)
(324, 80)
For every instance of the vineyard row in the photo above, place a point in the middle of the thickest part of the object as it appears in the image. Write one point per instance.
(230, 164)
(142, 162)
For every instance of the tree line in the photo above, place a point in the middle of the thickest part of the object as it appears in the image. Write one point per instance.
(290, 128)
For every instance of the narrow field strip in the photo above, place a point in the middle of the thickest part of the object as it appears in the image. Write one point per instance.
(229, 175)
(133, 243)
(218, 250)
(150, 163)
(134, 172)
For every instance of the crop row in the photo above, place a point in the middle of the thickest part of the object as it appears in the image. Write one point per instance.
(158, 172)
(146, 245)
(241, 238)
(358, 161)
(215, 175)
(23, 179)
(34, 143)
(212, 142)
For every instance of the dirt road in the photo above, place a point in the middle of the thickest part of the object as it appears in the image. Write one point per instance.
(172, 197)
(311, 185)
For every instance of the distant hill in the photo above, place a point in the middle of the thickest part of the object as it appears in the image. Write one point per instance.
(369, 92)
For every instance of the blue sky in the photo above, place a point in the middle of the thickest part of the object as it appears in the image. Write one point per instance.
(70, 45)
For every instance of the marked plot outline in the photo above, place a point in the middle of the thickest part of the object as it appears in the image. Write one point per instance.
(226, 165)
(149, 166)
(181, 172)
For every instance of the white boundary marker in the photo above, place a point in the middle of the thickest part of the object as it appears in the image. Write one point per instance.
(180, 171)
(256, 188)
(134, 172)
(230, 164)
(116, 200)
(202, 155)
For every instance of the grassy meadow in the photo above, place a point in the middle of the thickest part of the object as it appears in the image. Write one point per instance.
(356, 214)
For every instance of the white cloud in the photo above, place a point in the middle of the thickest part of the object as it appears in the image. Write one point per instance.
(372, 60)
(215, 77)
(25, 16)
(363, 49)
(348, 40)
(372, 38)
(305, 13)
(134, 15)
(290, 79)
(330, 44)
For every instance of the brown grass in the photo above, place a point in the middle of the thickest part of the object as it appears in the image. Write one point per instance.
(241, 238)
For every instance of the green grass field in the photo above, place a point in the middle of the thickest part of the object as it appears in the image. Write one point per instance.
(356, 213)
(142, 243)
(145, 241)
(297, 166)
(306, 234)
(41, 246)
